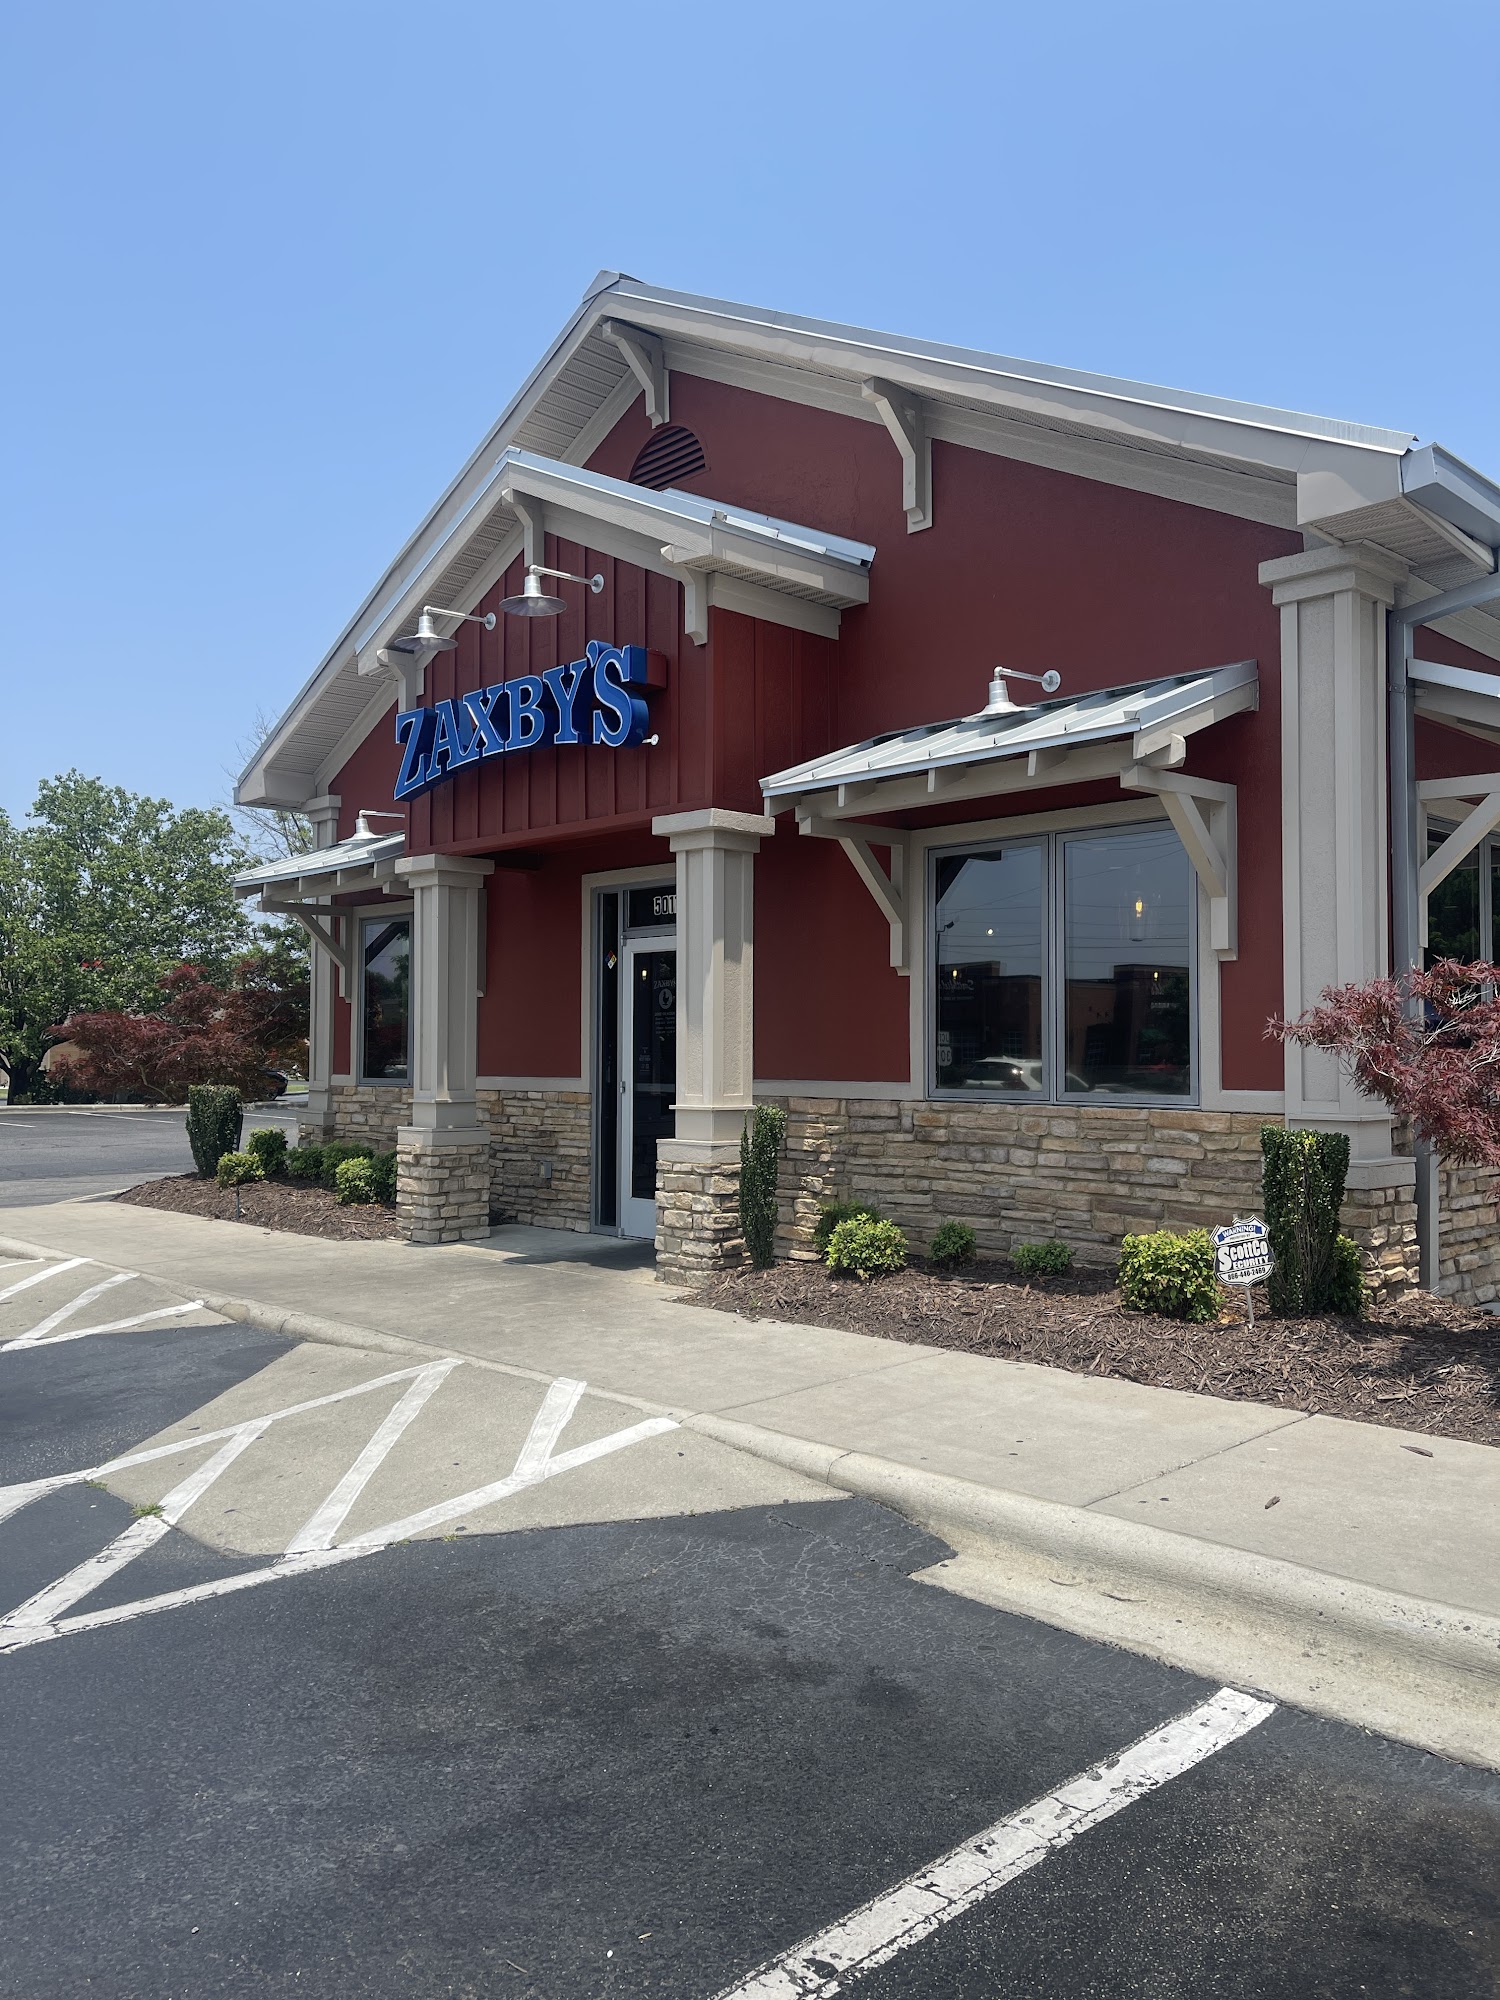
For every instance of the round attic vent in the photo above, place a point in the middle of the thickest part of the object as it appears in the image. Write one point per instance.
(668, 456)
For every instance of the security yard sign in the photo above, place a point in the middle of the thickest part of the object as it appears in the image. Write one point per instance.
(1242, 1256)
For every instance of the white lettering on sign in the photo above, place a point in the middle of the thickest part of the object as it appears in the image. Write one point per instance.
(664, 906)
(1242, 1252)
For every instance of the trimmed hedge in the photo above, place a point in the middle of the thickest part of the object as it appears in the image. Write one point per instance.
(760, 1144)
(215, 1118)
(305, 1163)
(954, 1243)
(1171, 1276)
(336, 1152)
(383, 1168)
(354, 1180)
(833, 1213)
(238, 1170)
(1302, 1185)
(270, 1148)
(864, 1247)
(1041, 1260)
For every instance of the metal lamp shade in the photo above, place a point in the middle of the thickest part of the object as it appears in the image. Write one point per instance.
(533, 602)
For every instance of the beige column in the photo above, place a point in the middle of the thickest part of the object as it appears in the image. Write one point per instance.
(323, 978)
(443, 1168)
(698, 1169)
(1335, 848)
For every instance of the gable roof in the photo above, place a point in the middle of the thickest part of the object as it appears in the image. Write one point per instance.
(1341, 481)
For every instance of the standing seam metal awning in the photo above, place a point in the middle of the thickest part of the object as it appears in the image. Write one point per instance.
(300, 885)
(1136, 735)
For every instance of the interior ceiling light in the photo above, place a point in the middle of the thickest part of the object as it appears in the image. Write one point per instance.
(534, 601)
(1000, 702)
(428, 639)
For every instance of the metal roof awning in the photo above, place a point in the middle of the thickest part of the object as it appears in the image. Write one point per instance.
(300, 886)
(1136, 735)
(1066, 742)
(363, 861)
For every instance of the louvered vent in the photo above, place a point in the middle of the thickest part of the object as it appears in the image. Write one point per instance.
(668, 456)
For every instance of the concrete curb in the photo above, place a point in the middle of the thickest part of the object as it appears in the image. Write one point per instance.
(1422, 1672)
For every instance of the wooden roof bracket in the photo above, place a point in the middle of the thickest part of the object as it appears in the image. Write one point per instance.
(1204, 817)
(646, 359)
(330, 932)
(1480, 819)
(889, 887)
(901, 413)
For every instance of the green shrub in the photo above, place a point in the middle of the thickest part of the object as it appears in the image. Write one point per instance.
(354, 1179)
(339, 1150)
(215, 1116)
(1172, 1276)
(835, 1212)
(1302, 1185)
(865, 1247)
(760, 1144)
(1346, 1294)
(953, 1244)
(1041, 1260)
(270, 1148)
(305, 1163)
(236, 1169)
(383, 1168)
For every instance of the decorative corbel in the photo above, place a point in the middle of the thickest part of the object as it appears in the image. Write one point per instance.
(902, 416)
(646, 360)
(888, 888)
(1204, 817)
(695, 583)
(330, 932)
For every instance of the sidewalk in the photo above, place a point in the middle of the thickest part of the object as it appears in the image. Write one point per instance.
(1347, 1567)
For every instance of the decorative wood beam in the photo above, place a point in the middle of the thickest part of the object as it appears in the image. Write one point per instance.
(646, 360)
(901, 413)
(889, 888)
(1204, 817)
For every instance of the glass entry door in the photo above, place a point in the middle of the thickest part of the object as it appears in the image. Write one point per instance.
(648, 1076)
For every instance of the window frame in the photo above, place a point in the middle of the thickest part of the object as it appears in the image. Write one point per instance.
(1054, 1093)
(1486, 853)
(362, 919)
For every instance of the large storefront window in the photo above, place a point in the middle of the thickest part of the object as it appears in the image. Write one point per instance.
(386, 1000)
(1063, 967)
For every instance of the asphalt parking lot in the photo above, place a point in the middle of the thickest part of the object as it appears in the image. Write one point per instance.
(451, 1682)
(59, 1152)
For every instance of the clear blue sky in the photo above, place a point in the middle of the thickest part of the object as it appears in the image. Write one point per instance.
(271, 269)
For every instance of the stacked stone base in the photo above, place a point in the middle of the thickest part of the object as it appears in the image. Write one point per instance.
(1469, 1234)
(541, 1156)
(442, 1185)
(697, 1212)
(1383, 1222)
(372, 1113)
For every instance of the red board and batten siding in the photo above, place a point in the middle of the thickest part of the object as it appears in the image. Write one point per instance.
(1024, 566)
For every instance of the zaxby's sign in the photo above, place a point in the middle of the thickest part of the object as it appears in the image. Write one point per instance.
(589, 701)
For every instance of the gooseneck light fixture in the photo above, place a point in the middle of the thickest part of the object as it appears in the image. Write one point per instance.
(1000, 702)
(428, 639)
(534, 602)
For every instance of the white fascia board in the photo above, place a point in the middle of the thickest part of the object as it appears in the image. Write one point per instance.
(1250, 432)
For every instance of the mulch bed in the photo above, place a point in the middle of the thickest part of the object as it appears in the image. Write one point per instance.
(299, 1206)
(1424, 1364)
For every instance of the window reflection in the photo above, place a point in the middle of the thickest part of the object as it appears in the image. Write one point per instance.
(990, 945)
(1126, 928)
(386, 994)
(1453, 914)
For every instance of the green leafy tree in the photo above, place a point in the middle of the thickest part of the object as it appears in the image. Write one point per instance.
(101, 892)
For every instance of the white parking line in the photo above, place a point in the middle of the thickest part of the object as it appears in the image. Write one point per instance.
(52, 1271)
(108, 1326)
(326, 1520)
(914, 1909)
(36, 1621)
(39, 1332)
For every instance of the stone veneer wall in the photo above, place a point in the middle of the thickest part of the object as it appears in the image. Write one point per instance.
(1017, 1173)
(697, 1217)
(1469, 1233)
(541, 1148)
(367, 1111)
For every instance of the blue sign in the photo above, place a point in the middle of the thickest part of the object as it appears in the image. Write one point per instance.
(588, 701)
